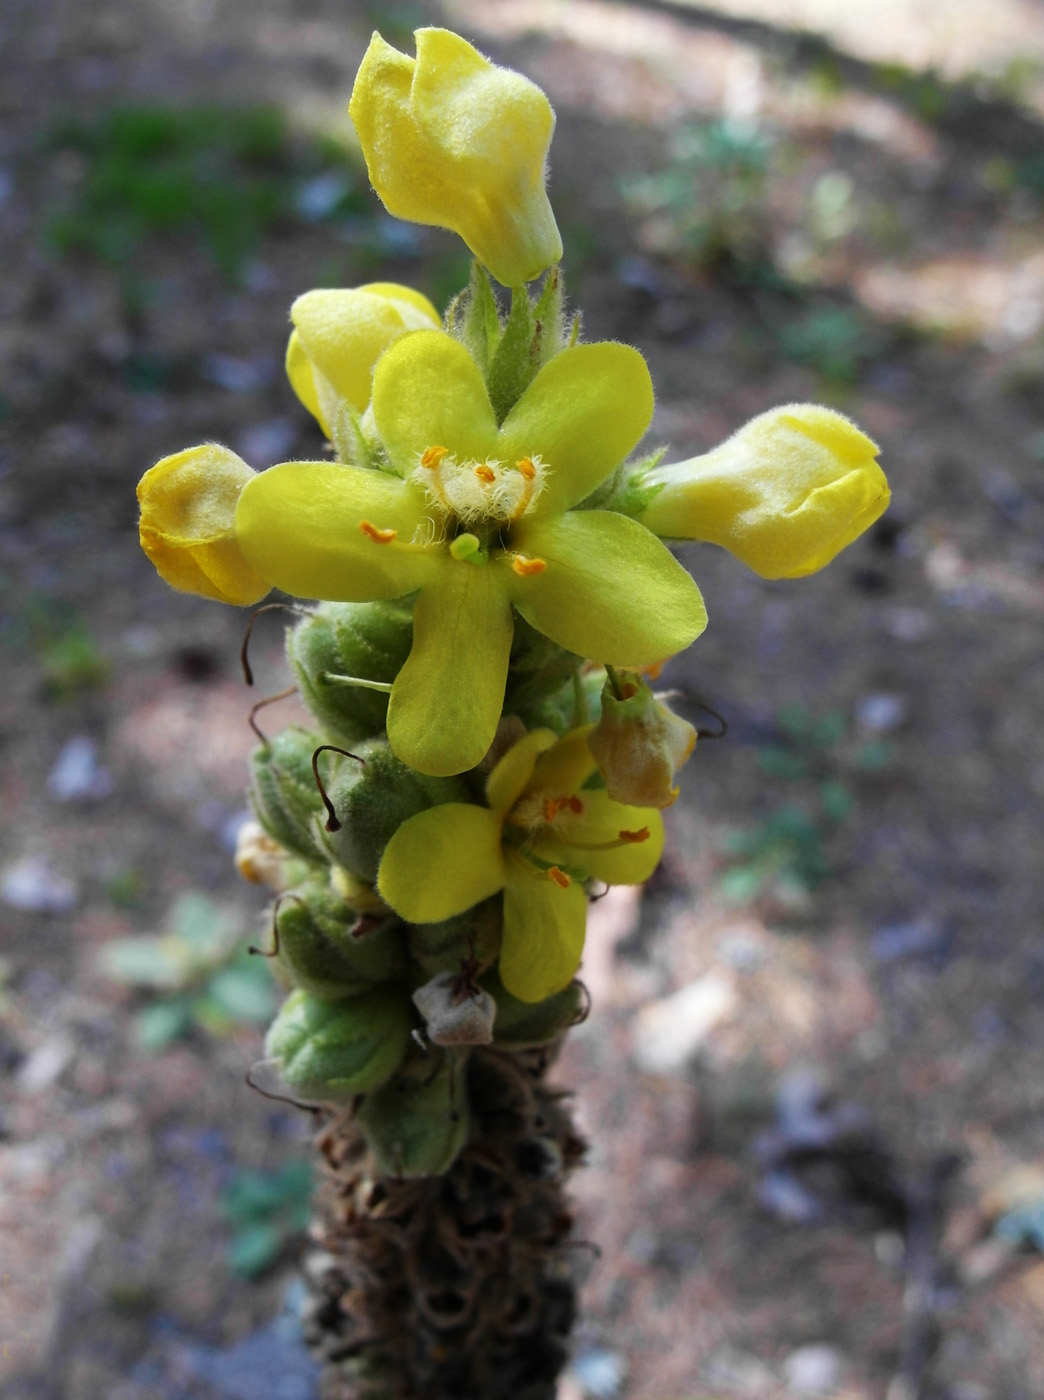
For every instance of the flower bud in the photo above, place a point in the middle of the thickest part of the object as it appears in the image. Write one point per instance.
(337, 1049)
(451, 140)
(283, 790)
(367, 641)
(455, 1013)
(187, 528)
(785, 494)
(523, 1025)
(328, 950)
(639, 744)
(259, 859)
(340, 334)
(418, 1123)
(373, 798)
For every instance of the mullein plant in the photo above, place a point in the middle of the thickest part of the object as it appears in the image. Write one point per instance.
(486, 595)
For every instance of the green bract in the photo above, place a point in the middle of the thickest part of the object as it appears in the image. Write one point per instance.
(478, 520)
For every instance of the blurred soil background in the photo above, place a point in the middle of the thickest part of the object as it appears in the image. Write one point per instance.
(813, 1077)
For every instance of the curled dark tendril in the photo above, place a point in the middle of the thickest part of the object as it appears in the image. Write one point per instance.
(585, 1008)
(274, 953)
(312, 1108)
(248, 674)
(332, 823)
(268, 700)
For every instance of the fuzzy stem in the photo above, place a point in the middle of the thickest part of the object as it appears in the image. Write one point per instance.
(457, 1287)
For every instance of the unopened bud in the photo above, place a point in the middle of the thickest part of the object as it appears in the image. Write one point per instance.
(284, 793)
(455, 1012)
(785, 494)
(361, 641)
(639, 744)
(373, 798)
(337, 1049)
(331, 950)
(417, 1124)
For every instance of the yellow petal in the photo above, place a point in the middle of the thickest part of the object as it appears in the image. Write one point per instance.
(565, 768)
(451, 140)
(544, 927)
(429, 392)
(341, 333)
(441, 862)
(610, 590)
(785, 494)
(509, 778)
(188, 506)
(301, 525)
(602, 822)
(446, 701)
(583, 414)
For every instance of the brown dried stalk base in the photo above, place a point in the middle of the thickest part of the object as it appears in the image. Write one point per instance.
(457, 1287)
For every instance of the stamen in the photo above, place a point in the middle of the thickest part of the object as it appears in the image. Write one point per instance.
(485, 473)
(377, 535)
(634, 838)
(560, 878)
(432, 456)
(551, 807)
(525, 567)
(526, 468)
(575, 805)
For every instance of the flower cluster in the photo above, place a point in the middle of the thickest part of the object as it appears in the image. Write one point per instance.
(481, 547)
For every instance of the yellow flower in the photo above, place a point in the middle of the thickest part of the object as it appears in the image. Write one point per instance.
(451, 140)
(338, 337)
(639, 744)
(188, 508)
(542, 835)
(478, 520)
(785, 494)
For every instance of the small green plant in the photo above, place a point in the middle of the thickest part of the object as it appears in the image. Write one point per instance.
(836, 341)
(265, 1211)
(788, 851)
(198, 973)
(222, 176)
(708, 204)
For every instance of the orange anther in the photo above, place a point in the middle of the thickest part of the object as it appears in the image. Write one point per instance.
(373, 533)
(432, 456)
(574, 804)
(526, 468)
(634, 837)
(524, 566)
(652, 672)
(551, 808)
(485, 473)
(560, 878)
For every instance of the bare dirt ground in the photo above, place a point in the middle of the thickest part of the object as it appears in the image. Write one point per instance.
(756, 1237)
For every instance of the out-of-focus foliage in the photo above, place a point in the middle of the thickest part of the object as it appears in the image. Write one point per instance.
(264, 1211)
(223, 176)
(198, 973)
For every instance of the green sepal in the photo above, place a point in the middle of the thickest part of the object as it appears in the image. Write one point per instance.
(417, 1123)
(514, 366)
(447, 946)
(548, 317)
(326, 949)
(370, 641)
(521, 1024)
(373, 798)
(351, 444)
(283, 790)
(337, 1049)
(626, 491)
(474, 319)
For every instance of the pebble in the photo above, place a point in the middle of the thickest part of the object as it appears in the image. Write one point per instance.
(77, 776)
(31, 884)
(600, 1373)
(668, 1033)
(813, 1370)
